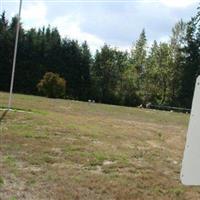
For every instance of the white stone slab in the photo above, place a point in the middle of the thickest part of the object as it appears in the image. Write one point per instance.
(190, 172)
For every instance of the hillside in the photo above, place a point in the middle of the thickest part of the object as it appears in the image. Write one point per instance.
(63, 149)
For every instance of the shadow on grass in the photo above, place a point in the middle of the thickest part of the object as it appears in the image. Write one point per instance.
(3, 115)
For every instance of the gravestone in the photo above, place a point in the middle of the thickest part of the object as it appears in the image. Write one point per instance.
(190, 172)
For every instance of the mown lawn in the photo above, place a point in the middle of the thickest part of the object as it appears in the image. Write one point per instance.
(61, 149)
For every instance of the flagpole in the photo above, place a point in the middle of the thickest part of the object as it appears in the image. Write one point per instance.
(15, 55)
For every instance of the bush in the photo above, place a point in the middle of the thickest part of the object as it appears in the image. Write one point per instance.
(52, 85)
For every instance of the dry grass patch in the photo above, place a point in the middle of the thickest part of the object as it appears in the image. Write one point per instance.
(74, 150)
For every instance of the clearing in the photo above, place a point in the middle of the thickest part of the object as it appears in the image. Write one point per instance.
(64, 150)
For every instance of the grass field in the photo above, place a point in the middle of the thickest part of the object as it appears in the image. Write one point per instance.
(64, 150)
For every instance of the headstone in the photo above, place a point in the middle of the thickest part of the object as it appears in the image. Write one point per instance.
(190, 172)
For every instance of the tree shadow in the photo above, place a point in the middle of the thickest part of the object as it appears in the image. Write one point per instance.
(3, 115)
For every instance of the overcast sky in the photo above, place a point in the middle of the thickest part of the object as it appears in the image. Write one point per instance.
(117, 23)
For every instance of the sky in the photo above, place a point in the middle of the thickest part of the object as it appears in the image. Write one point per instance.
(115, 22)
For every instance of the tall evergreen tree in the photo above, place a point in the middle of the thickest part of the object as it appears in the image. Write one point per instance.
(107, 70)
(164, 75)
(176, 68)
(138, 61)
(157, 74)
(192, 60)
(139, 52)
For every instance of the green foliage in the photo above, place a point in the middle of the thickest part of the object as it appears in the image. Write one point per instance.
(1, 181)
(136, 70)
(45, 49)
(178, 59)
(164, 70)
(129, 89)
(191, 65)
(164, 73)
(52, 85)
(157, 72)
(107, 73)
(13, 198)
(139, 53)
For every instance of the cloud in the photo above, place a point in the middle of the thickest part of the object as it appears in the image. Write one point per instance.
(178, 3)
(34, 14)
(121, 25)
(69, 26)
(118, 24)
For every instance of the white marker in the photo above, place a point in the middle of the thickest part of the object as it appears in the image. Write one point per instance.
(190, 174)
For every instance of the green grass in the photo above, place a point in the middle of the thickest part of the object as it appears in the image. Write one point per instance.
(1, 181)
(10, 161)
(13, 198)
(61, 149)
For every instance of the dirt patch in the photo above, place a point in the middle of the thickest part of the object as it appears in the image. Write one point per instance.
(108, 162)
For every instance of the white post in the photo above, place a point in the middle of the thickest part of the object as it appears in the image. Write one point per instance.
(15, 55)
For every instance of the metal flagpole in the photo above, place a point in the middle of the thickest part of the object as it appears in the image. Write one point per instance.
(15, 55)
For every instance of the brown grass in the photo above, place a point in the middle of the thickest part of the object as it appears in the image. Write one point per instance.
(64, 149)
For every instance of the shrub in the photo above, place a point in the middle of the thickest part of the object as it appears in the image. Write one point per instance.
(52, 85)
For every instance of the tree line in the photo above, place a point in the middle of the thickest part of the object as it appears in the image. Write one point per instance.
(163, 73)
